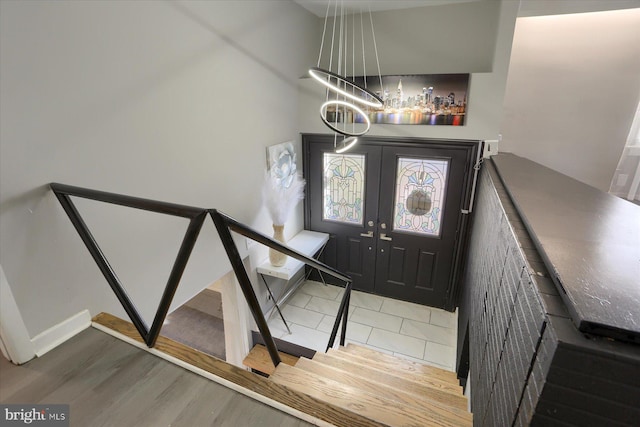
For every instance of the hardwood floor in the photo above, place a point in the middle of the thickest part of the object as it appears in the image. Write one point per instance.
(110, 383)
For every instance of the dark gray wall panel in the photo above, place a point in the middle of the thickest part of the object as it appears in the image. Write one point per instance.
(504, 327)
(589, 241)
(529, 365)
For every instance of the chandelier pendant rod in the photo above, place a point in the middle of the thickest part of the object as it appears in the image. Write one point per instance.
(339, 68)
(375, 46)
(324, 31)
(346, 90)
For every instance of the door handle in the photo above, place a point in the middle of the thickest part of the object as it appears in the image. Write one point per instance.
(369, 234)
(383, 236)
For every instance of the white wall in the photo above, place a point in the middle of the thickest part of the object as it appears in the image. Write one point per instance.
(572, 91)
(626, 179)
(470, 37)
(169, 101)
(433, 39)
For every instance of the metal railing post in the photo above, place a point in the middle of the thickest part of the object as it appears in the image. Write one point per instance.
(341, 317)
(245, 285)
(345, 316)
(102, 263)
(188, 242)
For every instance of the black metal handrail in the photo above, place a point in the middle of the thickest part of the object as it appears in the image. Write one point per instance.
(343, 315)
(224, 225)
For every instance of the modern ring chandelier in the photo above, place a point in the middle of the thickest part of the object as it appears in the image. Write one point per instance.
(346, 100)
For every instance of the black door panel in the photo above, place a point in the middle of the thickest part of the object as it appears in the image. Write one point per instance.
(352, 245)
(391, 249)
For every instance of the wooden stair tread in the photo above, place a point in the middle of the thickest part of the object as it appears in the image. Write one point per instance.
(419, 376)
(396, 402)
(395, 391)
(386, 377)
(404, 364)
(375, 407)
(255, 383)
(260, 360)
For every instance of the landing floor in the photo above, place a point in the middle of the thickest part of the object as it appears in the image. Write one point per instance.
(108, 382)
(396, 327)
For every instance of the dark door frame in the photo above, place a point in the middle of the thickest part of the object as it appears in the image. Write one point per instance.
(473, 150)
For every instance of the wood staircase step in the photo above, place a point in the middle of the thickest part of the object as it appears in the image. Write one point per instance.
(256, 384)
(366, 396)
(419, 376)
(260, 360)
(376, 407)
(390, 378)
(411, 396)
(400, 363)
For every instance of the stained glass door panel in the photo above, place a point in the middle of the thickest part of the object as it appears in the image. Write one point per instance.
(419, 208)
(343, 187)
(342, 200)
(419, 195)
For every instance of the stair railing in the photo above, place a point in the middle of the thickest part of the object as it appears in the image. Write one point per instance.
(224, 225)
(342, 316)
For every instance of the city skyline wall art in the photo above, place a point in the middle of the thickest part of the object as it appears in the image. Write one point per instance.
(424, 99)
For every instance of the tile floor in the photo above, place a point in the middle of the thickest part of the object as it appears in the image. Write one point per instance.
(408, 330)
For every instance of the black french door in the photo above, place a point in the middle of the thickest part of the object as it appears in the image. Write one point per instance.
(351, 223)
(394, 211)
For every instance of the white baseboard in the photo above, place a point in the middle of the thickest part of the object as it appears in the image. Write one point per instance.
(56, 335)
(13, 332)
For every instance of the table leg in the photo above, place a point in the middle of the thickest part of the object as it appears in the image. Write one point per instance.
(275, 302)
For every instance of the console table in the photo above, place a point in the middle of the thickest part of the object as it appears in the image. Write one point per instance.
(310, 243)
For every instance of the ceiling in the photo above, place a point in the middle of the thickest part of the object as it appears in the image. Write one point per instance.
(527, 7)
(319, 7)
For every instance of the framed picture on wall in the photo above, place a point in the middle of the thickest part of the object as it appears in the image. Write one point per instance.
(424, 99)
(281, 162)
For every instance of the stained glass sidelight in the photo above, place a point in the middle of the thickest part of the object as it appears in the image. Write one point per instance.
(343, 187)
(419, 197)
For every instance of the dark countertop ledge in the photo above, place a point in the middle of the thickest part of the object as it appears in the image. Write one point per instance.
(589, 241)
